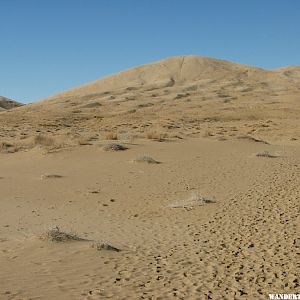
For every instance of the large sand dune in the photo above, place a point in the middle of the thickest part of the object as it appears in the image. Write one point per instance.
(178, 97)
(202, 203)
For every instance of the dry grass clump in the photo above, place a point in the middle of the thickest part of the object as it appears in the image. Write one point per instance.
(207, 133)
(266, 154)
(56, 235)
(104, 246)
(111, 136)
(114, 147)
(195, 200)
(43, 140)
(131, 111)
(86, 138)
(50, 176)
(50, 144)
(251, 138)
(83, 141)
(179, 96)
(46, 142)
(6, 147)
(92, 105)
(146, 159)
(157, 136)
(143, 105)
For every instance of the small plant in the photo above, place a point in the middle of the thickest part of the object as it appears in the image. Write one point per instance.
(6, 147)
(114, 147)
(146, 159)
(50, 176)
(43, 140)
(157, 136)
(195, 200)
(251, 138)
(82, 141)
(104, 246)
(111, 136)
(266, 154)
(196, 197)
(207, 133)
(56, 235)
(179, 96)
(92, 105)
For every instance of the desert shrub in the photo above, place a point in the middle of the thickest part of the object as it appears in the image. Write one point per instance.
(149, 104)
(6, 147)
(207, 133)
(83, 141)
(50, 176)
(179, 96)
(43, 140)
(111, 136)
(56, 235)
(251, 138)
(105, 246)
(266, 154)
(158, 136)
(194, 200)
(146, 159)
(92, 105)
(114, 147)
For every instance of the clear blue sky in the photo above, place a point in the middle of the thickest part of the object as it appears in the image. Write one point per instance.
(51, 45)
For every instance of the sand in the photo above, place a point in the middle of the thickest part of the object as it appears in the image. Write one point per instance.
(216, 218)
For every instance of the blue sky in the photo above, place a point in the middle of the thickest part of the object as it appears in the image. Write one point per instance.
(49, 46)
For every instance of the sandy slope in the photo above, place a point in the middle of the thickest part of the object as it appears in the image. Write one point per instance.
(180, 96)
(204, 120)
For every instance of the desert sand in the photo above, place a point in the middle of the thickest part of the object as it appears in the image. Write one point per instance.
(173, 180)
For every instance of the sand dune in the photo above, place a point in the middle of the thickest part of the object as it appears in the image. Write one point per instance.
(177, 97)
(173, 180)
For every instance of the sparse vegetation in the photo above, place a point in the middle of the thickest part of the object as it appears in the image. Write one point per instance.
(114, 147)
(146, 159)
(266, 154)
(104, 246)
(6, 147)
(56, 235)
(43, 140)
(111, 136)
(250, 138)
(49, 176)
(207, 133)
(86, 138)
(82, 141)
(194, 200)
(157, 136)
(92, 105)
(180, 96)
(149, 104)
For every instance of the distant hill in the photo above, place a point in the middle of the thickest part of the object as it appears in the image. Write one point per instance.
(177, 96)
(6, 103)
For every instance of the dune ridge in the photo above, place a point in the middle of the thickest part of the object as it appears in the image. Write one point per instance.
(179, 96)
